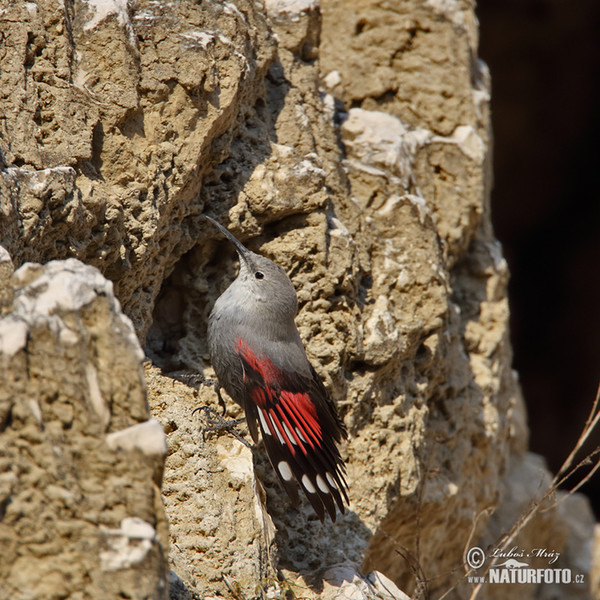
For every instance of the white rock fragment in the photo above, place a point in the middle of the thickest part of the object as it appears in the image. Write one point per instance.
(328, 106)
(302, 117)
(481, 89)
(469, 142)
(422, 207)
(127, 546)
(351, 164)
(67, 336)
(103, 8)
(389, 206)
(95, 395)
(381, 332)
(337, 228)
(13, 336)
(342, 582)
(332, 79)
(136, 528)
(448, 9)
(37, 181)
(282, 151)
(305, 167)
(290, 8)
(385, 586)
(383, 141)
(495, 250)
(237, 459)
(201, 39)
(61, 286)
(149, 437)
(144, 16)
(6, 265)
(31, 8)
(44, 295)
(231, 9)
(34, 405)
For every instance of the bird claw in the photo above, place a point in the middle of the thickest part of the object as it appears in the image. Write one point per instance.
(217, 423)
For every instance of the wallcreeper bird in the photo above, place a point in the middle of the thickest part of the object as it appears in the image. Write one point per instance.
(259, 359)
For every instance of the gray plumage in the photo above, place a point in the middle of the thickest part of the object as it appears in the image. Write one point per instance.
(259, 359)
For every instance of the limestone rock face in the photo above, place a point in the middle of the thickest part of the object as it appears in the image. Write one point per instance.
(221, 535)
(80, 462)
(350, 143)
(112, 114)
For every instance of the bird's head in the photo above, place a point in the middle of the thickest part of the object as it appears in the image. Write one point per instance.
(261, 286)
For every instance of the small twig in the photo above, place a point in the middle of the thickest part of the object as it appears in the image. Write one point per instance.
(234, 588)
(421, 590)
(565, 472)
(590, 425)
(583, 463)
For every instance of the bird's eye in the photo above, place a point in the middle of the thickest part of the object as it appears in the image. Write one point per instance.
(259, 275)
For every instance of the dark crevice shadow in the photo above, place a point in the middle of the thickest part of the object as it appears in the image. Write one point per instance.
(177, 339)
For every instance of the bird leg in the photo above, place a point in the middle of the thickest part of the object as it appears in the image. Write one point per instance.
(216, 422)
(220, 398)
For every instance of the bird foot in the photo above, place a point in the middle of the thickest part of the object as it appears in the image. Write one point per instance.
(216, 423)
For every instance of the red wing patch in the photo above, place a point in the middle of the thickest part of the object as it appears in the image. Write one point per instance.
(264, 367)
(299, 430)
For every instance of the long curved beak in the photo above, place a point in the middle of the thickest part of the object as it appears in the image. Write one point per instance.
(241, 249)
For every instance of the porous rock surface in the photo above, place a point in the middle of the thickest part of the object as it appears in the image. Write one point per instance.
(80, 461)
(112, 114)
(349, 142)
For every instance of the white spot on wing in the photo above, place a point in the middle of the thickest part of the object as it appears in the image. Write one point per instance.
(331, 480)
(284, 469)
(289, 434)
(281, 440)
(307, 483)
(263, 422)
(322, 485)
(301, 436)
